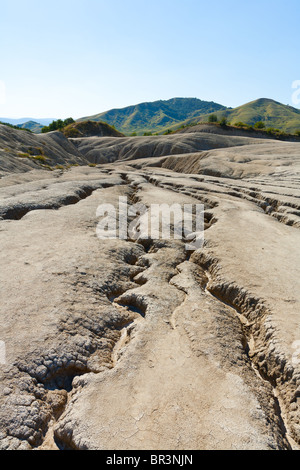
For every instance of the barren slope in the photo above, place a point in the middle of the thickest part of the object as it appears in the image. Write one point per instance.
(107, 149)
(23, 151)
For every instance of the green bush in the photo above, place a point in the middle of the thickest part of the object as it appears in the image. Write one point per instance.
(259, 125)
(39, 158)
(273, 131)
(23, 155)
(72, 132)
(57, 125)
(223, 122)
(213, 118)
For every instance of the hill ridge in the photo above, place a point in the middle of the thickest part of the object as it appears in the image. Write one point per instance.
(155, 115)
(161, 115)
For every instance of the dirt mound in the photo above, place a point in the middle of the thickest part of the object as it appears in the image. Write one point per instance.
(22, 151)
(91, 129)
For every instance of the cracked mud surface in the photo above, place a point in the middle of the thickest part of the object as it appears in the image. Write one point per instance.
(119, 344)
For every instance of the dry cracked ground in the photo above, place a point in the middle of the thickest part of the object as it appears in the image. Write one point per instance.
(139, 343)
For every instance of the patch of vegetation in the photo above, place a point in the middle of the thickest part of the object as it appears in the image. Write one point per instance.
(223, 122)
(15, 127)
(157, 116)
(36, 154)
(72, 132)
(23, 155)
(260, 130)
(90, 129)
(48, 167)
(39, 158)
(213, 118)
(272, 131)
(57, 125)
(241, 125)
(259, 125)
(272, 113)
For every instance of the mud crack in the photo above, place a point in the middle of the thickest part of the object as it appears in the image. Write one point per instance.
(258, 340)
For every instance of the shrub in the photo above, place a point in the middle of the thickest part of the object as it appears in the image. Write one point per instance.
(223, 122)
(259, 125)
(39, 158)
(297, 133)
(213, 118)
(57, 125)
(273, 131)
(72, 132)
(68, 121)
(23, 155)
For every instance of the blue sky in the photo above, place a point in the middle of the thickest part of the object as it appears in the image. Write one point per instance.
(81, 57)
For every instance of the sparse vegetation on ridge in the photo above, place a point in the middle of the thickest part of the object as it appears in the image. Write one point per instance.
(57, 125)
(164, 116)
(157, 116)
(90, 129)
(273, 114)
(15, 127)
(261, 129)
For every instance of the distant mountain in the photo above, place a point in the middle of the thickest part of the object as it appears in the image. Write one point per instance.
(15, 122)
(33, 126)
(161, 116)
(272, 113)
(156, 116)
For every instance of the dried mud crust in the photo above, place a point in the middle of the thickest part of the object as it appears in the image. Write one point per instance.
(261, 344)
(148, 294)
(240, 357)
(224, 341)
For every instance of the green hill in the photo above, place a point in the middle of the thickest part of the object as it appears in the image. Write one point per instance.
(273, 114)
(90, 129)
(32, 126)
(156, 116)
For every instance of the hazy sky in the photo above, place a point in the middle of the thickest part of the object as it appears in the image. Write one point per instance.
(81, 57)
